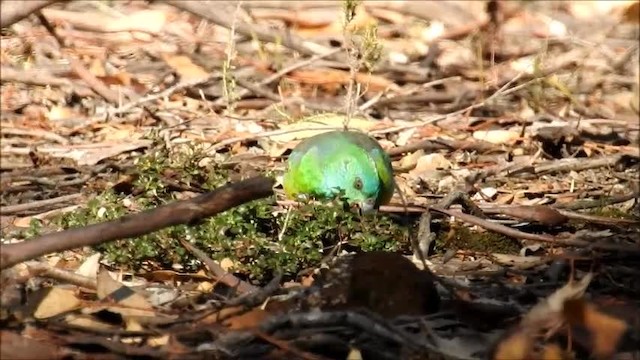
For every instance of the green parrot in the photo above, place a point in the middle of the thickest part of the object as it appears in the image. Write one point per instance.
(341, 162)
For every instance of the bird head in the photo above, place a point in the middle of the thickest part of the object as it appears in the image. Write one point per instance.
(356, 181)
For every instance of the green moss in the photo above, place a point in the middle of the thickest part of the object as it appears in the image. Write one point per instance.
(613, 212)
(252, 235)
(462, 237)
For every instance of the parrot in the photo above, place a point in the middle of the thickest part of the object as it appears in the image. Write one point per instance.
(340, 162)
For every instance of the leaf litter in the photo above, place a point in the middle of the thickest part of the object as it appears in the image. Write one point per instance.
(530, 109)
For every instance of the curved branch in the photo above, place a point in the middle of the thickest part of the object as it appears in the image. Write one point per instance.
(14, 11)
(179, 212)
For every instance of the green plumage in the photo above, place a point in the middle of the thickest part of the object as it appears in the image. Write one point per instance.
(341, 162)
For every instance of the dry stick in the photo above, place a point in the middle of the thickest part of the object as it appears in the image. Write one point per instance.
(536, 237)
(151, 97)
(258, 90)
(179, 212)
(596, 219)
(248, 89)
(43, 269)
(208, 10)
(234, 140)
(217, 270)
(576, 164)
(12, 209)
(92, 81)
(438, 144)
(268, 80)
(590, 204)
(286, 346)
(501, 92)
(522, 212)
(14, 11)
(42, 77)
(6, 130)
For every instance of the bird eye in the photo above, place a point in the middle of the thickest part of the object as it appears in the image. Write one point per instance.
(357, 183)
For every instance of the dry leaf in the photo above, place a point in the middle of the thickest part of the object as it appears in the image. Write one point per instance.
(410, 161)
(187, 70)
(553, 306)
(91, 154)
(150, 21)
(431, 162)
(354, 354)
(97, 68)
(23, 222)
(553, 352)
(158, 341)
(227, 264)
(246, 320)
(88, 321)
(56, 302)
(370, 82)
(515, 347)
(605, 331)
(497, 136)
(318, 124)
(130, 302)
(60, 112)
(90, 266)
(631, 12)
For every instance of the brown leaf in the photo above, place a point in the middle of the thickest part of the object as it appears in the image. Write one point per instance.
(56, 302)
(130, 303)
(183, 65)
(151, 21)
(606, 331)
(553, 352)
(246, 320)
(518, 346)
(374, 83)
(631, 13)
(539, 213)
(317, 124)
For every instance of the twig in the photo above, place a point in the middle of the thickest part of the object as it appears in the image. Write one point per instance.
(590, 204)
(500, 92)
(210, 11)
(536, 237)
(45, 270)
(41, 77)
(228, 79)
(594, 219)
(5, 130)
(218, 272)
(259, 90)
(288, 348)
(179, 212)
(234, 140)
(268, 80)
(16, 10)
(152, 97)
(575, 164)
(94, 83)
(12, 209)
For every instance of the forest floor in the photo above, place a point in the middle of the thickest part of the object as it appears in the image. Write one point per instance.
(142, 151)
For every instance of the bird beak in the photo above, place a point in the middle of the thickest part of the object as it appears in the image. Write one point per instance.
(366, 206)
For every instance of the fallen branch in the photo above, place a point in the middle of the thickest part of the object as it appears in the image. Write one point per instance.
(218, 272)
(12, 209)
(14, 11)
(501, 229)
(179, 212)
(211, 11)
